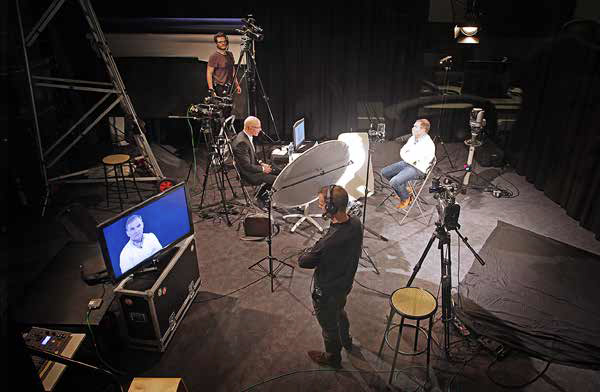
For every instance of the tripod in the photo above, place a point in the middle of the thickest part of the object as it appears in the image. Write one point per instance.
(270, 258)
(442, 233)
(215, 158)
(251, 33)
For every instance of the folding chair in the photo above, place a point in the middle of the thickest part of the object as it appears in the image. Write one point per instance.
(417, 186)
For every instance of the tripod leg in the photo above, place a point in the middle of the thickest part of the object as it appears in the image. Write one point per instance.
(206, 171)
(446, 292)
(420, 262)
(221, 185)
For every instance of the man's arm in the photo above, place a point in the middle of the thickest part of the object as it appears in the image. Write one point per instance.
(209, 74)
(242, 158)
(312, 258)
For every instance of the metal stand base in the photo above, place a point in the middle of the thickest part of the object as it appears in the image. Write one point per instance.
(305, 217)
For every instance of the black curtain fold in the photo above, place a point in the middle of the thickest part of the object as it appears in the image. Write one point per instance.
(319, 62)
(556, 141)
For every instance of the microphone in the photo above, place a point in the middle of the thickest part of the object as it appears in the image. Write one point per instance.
(403, 138)
(447, 58)
(267, 136)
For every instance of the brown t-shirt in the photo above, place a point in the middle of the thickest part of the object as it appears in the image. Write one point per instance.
(223, 65)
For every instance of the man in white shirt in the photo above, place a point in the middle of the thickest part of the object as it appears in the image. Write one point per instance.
(140, 245)
(417, 154)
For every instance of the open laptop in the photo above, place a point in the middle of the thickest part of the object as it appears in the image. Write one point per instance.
(299, 137)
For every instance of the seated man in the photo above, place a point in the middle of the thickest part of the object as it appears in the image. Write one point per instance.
(417, 154)
(251, 169)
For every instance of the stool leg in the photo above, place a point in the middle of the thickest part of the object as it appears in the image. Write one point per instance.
(396, 350)
(106, 184)
(429, 344)
(416, 336)
(124, 181)
(134, 181)
(389, 321)
(118, 187)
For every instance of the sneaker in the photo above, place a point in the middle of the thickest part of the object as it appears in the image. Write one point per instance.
(324, 359)
(410, 189)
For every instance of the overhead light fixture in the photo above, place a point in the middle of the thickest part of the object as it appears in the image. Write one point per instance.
(466, 34)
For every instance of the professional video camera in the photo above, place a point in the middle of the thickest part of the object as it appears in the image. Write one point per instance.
(377, 135)
(448, 211)
(250, 31)
(214, 107)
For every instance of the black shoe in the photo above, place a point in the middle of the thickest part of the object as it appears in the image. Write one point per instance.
(325, 359)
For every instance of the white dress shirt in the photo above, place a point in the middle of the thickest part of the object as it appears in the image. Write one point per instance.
(418, 153)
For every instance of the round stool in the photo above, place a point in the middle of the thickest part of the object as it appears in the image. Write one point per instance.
(414, 304)
(116, 163)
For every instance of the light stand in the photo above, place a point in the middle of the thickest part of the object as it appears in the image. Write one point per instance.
(377, 136)
(446, 62)
(448, 221)
(270, 257)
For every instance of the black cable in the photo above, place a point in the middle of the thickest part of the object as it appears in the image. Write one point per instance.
(232, 292)
(333, 370)
(87, 320)
(372, 289)
(519, 386)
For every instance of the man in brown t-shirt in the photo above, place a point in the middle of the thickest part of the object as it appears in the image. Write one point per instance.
(219, 72)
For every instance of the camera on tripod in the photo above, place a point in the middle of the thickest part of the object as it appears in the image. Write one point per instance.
(250, 31)
(448, 210)
(477, 120)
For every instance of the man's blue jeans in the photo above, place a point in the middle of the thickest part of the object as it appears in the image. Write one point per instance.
(398, 174)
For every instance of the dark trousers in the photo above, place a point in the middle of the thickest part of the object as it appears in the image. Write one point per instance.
(335, 326)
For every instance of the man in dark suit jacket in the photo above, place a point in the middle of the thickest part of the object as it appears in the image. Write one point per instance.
(252, 170)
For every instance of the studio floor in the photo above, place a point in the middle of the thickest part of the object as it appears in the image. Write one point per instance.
(238, 335)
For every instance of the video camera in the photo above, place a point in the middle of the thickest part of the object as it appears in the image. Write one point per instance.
(213, 107)
(250, 31)
(476, 120)
(445, 193)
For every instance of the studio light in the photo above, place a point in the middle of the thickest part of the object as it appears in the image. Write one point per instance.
(466, 34)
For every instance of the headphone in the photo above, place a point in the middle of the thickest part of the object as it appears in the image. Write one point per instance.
(330, 207)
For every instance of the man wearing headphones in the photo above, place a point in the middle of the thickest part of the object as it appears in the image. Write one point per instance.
(335, 260)
(219, 71)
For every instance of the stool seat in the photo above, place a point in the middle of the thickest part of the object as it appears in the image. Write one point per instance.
(115, 163)
(115, 159)
(413, 303)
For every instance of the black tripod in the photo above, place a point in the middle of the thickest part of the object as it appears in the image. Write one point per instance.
(270, 257)
(442, 233)
(216, 149)
(251, 33)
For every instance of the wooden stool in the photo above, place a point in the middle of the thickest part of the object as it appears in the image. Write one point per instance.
(414, 304)
(116, 162)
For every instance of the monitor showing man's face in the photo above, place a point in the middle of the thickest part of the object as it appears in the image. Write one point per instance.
(135, 229)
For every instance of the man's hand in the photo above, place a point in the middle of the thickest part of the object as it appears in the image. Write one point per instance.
(238, 89)
(266, 168)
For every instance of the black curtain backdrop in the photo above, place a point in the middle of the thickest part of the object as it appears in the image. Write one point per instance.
(556, 140)
(319, 62)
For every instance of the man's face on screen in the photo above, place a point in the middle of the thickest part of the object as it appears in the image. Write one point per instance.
(135, 230)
